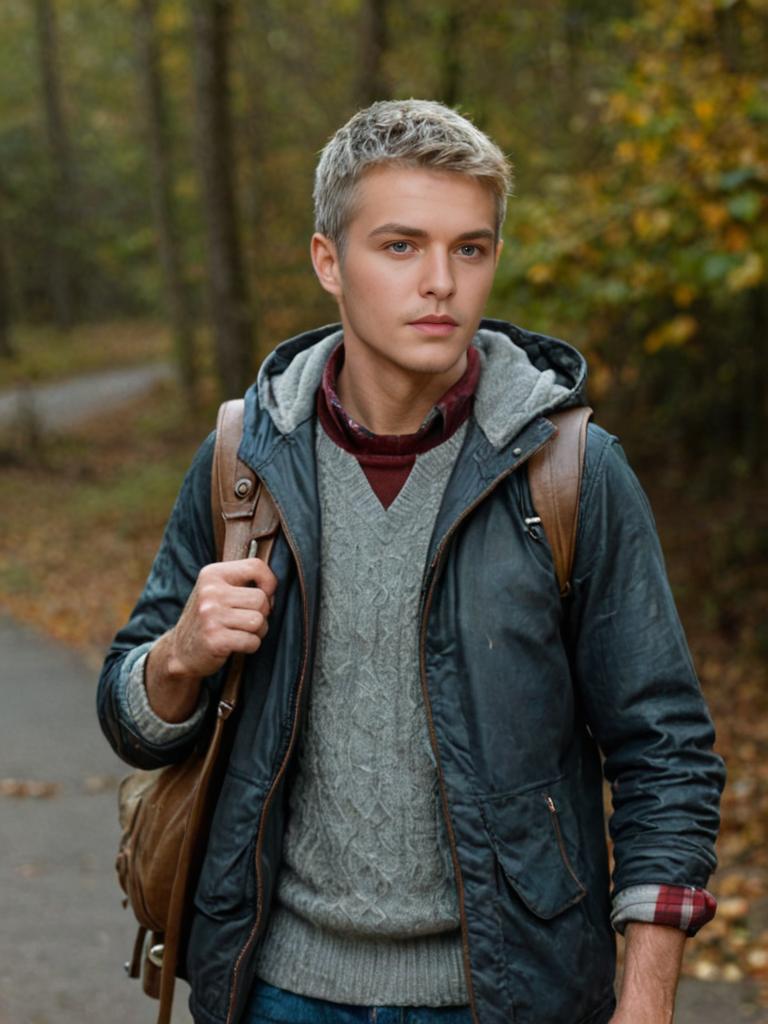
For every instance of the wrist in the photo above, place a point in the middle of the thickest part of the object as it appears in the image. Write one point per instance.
(172, 690)
(175, 671)
(651, 969)
(641, 1011)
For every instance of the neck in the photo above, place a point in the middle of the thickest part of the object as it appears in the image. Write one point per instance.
(389, 401)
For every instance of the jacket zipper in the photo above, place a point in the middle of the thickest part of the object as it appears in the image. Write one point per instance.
(281, 771)
(432, 575)
(555, 819)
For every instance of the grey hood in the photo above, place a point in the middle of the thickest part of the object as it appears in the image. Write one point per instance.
(523, 375)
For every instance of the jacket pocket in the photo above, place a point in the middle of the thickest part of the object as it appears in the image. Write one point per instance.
(532, 834)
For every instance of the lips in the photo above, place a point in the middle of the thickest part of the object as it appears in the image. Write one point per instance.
(436, 320)
(434, 326)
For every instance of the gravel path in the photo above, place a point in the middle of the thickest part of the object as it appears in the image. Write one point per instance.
(66, 403)
(64, 935)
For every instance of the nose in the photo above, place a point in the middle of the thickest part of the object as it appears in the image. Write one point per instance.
(437, 275)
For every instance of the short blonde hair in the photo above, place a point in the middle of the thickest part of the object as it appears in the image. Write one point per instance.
(411, 133)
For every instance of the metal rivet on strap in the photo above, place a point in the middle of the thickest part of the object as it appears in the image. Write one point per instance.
(517, 451)
(225, 709)
(243, 487)
(155, 954)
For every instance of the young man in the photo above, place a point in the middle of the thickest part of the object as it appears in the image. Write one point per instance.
(411, 825)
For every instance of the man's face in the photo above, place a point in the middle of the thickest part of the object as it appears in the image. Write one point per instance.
(418, 265)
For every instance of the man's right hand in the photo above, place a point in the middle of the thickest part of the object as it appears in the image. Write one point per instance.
(226, 613)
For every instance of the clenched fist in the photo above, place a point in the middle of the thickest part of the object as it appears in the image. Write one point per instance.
(226, 613)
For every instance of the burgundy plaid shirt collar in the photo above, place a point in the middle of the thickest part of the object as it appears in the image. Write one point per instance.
(443, 419)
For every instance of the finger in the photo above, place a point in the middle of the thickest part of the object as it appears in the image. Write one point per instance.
(242, 571)
(245, 621)
(249, 599)
(243, 642)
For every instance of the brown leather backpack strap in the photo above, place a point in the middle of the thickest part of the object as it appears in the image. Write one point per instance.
(245, 519)
(245, 523)
(234, 489)
(554, 478)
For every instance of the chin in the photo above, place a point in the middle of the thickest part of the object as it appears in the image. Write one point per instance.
(432, 356)
(434, 360)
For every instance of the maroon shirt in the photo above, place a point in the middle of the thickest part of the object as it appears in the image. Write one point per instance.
(387, 459)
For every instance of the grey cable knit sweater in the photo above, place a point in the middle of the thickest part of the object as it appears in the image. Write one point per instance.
(366, 908)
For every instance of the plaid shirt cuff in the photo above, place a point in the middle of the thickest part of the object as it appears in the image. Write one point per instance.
(679, 906)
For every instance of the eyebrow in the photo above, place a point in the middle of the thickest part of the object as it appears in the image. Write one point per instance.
(404, 229)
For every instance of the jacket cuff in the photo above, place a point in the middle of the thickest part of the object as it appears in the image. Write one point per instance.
(149, 725)
(678, 906)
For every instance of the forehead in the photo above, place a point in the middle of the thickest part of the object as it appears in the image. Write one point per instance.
(432, 200)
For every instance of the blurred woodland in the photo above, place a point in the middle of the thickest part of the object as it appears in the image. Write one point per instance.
(156, 163)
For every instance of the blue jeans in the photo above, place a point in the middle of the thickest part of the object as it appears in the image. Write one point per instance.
(270, 1005)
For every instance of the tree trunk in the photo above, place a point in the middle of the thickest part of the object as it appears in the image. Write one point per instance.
(729, 39)
(375, 43)
(6, 345)
(62, 262)
(450, 52)
(755, 400)
(166, 221)
(566, 55)
(257, 113)
(230, 308)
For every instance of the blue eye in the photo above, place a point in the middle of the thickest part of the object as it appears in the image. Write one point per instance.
(399, 247)
(474, 250)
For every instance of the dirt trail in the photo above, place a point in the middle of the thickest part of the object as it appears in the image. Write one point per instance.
(67, 403)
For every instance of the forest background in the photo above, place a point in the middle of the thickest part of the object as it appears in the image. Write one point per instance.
(156, 161)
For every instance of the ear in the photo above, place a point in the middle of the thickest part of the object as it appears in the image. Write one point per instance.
(499, 247)
(325, 260)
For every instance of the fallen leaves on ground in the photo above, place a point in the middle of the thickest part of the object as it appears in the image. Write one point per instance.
(714, 560)
(94, 784)
(100, 496)
(30, 870)
(34, 788)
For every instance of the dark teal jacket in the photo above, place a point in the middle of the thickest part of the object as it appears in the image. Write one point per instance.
(523, 691)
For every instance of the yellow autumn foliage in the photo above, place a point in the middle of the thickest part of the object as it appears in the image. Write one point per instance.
(714, 215)
(650, 225)
(684, 295)
(678, 214)
(704, 109)
(749, 274)
(625, 151)
(672, 334)
(540, 273)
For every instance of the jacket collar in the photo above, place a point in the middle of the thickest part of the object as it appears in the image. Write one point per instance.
(508, 424)
(523, 377)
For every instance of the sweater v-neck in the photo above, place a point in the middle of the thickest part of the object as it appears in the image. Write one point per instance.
(387, 461)
(363, 496)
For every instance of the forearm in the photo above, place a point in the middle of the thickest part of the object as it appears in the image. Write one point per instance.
(137, 733)
(187, 545)
(172, 692)
(652, 958)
